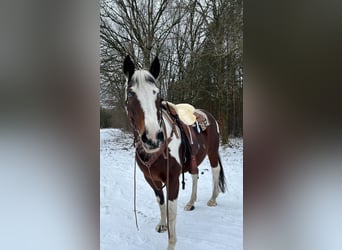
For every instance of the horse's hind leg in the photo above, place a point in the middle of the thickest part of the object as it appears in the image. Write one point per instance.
(191, 204)
(215, 170)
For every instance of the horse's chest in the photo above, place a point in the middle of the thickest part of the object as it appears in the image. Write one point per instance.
(174, 149)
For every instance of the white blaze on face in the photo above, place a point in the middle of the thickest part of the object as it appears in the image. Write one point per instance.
(147, 93)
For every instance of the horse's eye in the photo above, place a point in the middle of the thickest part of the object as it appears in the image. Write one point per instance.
(130, 93)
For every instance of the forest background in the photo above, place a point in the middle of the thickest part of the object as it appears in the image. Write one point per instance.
(199, 44)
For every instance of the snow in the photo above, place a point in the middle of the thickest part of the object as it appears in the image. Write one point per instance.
(203, 228)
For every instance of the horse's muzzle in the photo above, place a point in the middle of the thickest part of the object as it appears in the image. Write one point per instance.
(152, 144)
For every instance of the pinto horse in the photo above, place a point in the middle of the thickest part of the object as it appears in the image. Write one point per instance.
(158, 145)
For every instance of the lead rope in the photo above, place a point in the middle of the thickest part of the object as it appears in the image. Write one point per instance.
(135, 193)
(167, 178)
(167, 184)
(167, 192)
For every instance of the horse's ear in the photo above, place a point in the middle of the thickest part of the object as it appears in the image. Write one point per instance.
(128, 67)
(155, 67)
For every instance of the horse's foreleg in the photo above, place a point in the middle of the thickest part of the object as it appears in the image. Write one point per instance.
(161, 226)
(172, 189)
(191, 204)
(216, 175)
(172, 223)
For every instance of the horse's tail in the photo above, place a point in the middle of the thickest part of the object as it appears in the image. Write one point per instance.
(222, 178)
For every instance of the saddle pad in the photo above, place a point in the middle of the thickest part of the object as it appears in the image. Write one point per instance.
(201, 116)
(202, 119)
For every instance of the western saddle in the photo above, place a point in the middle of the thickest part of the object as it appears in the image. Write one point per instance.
(190, 121)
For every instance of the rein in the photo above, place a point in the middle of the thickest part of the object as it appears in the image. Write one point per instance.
(135, 195)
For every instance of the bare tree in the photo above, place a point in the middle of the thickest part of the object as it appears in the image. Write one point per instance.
(198, 42)
(137, 28)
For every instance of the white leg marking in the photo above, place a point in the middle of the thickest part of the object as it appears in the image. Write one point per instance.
(216, 175)
(172, 224)
(190, 206)
(162, 227)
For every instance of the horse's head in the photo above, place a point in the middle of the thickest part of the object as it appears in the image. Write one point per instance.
(143, 103)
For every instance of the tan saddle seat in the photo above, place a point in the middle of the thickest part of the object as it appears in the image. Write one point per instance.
(185, 112)
(188, 114)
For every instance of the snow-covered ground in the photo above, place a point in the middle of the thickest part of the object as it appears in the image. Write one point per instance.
(203, 228)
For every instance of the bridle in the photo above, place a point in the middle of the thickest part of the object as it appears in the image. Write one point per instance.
(159, 117)
(163, 148)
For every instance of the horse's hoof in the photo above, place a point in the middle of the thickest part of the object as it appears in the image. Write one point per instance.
(212, 203)
(189, 207)
(161, 228)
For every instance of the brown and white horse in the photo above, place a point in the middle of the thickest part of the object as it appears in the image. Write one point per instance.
(159, 146)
